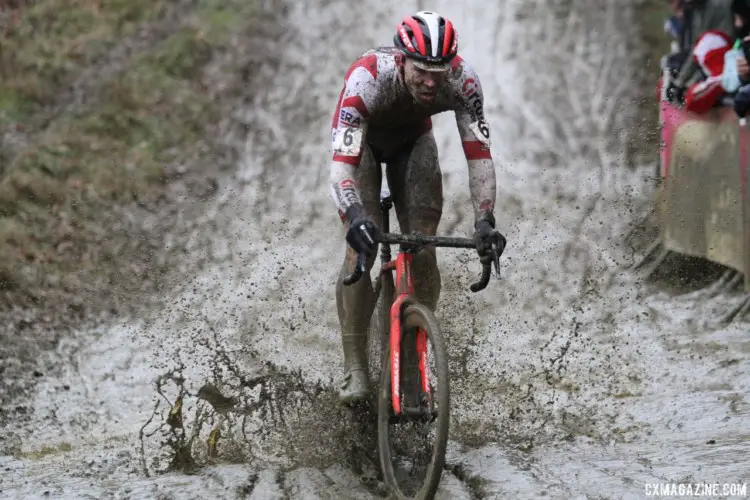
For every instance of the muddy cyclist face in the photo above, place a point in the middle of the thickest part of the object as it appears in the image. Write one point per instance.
(422, 84)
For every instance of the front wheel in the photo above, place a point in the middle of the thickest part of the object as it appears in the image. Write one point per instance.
(412, 465)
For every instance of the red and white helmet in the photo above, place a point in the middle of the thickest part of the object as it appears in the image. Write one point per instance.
(427, 38)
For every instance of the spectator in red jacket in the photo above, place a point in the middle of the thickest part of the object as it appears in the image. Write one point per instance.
(708, 53)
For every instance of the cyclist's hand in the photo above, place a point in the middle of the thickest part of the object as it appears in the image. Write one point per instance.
(362, 234)
(484, 237)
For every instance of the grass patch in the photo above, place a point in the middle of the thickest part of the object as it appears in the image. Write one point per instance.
(652, 14)
(53, 39)
(151, 114)
(219, 17)
(13, 106)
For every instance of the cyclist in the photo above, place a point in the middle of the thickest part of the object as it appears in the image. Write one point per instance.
(383, 116)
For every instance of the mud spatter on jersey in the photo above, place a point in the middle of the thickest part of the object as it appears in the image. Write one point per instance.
(376, 109)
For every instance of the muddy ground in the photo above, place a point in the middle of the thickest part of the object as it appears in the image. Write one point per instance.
(574, 377)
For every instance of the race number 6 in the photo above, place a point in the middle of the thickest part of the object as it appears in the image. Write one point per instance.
(348, 141)
(482, 131)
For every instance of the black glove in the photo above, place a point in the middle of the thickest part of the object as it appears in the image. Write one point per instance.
(742, 101)
(362, 234)
(484, 237)
(675, 94)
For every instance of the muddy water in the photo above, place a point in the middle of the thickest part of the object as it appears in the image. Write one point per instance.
(573, 377)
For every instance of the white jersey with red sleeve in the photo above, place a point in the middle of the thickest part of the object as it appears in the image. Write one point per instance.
(350, 125)
(475, 138)
(376, 110)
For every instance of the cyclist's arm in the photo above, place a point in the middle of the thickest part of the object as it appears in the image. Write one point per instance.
(348, 134)
(348, 145)
(475, 138)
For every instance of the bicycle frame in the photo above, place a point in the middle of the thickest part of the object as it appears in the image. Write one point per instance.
(404, 289)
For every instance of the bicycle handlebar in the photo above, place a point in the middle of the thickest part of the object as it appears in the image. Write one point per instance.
(437, 241)
(359, 270)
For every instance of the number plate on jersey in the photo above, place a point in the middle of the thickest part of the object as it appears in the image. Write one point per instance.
(348, 142)
(482, 131)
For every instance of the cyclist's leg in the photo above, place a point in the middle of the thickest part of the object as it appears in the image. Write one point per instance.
(416, 184)
(356, 302)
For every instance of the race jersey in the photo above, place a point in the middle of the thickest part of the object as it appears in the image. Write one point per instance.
(375, 108)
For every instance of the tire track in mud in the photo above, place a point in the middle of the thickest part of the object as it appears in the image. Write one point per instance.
(562, 368)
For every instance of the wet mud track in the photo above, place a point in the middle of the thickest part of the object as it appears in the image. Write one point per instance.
(572, 377)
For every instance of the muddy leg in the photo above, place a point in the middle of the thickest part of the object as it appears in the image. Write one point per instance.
(356, 302)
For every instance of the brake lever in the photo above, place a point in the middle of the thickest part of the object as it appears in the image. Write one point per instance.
(496, 259)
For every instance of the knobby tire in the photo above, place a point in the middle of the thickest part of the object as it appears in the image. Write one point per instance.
(417, 316)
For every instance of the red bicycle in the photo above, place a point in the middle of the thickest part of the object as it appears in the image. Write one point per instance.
(406, 397)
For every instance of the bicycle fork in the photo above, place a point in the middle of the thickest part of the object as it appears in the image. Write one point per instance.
(404, 290)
